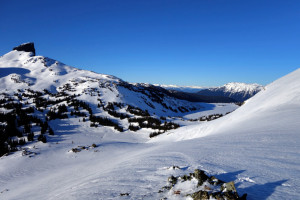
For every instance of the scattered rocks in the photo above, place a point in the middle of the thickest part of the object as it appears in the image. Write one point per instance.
(26, 152)
(208, 187)
(75, 150)
(80, 148)
(124, 194)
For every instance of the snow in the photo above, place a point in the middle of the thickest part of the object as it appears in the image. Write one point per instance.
(190, 89)
(257, 146)
(239, 87)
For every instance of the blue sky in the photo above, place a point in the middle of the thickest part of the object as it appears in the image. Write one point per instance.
(201, 42)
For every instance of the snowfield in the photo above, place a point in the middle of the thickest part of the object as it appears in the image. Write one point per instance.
(257, 146)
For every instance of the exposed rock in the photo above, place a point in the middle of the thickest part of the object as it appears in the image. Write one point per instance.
(177, 192)
(214, 181)
(228, 187)
(27, 47)
(186, 177)
(209, 187)
(172, 180)
(229, 191)
(75, 150)
(200, 195)
(174, 167)
(200, 176)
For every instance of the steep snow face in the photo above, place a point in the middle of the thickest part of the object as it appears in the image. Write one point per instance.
(237, 91)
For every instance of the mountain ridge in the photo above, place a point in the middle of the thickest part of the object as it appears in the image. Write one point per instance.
(238, 91)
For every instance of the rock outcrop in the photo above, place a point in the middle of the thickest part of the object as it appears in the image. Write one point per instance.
(27, 47)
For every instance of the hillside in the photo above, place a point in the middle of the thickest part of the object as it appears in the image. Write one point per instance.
(93, 154)
(260, 139)
(37, 93)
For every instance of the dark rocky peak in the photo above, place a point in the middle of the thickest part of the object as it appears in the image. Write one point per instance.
(27, 47)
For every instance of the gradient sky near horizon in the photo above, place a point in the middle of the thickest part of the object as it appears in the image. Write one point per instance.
(186, 42)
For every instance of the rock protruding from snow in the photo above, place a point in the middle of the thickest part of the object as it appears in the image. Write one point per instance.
(27, 47)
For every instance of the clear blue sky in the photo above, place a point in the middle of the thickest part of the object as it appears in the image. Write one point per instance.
(200, 42)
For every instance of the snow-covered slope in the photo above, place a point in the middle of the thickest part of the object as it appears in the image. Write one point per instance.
(275, 107)
(257, 145)
(21, 70)
(261, 138)
(237, 91)
(49, 90)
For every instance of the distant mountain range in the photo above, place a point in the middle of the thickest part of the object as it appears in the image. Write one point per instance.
(189, 89)
(230, 92)
(237, 91)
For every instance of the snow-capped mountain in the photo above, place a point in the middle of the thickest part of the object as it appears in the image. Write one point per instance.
(39, 90)
(189, 89)
(238, 91)
(21, 70)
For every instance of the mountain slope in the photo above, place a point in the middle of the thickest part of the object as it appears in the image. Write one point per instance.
(21, 70)
(274, 107)
(260, 138)
(37, 90)
(256, 146)
(238, 91)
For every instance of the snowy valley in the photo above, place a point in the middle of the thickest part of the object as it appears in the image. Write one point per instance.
(68, 133)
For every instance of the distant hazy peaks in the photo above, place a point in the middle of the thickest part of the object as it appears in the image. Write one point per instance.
(27, 47)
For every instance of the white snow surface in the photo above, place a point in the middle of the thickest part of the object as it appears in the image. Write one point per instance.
(241, 87)
(257, 146)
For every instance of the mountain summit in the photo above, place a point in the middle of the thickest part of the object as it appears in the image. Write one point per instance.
(27, 47)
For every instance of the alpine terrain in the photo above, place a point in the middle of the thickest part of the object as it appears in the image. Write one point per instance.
(238, 91)
(67, 133)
